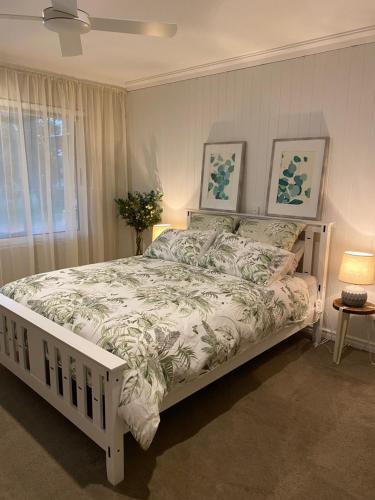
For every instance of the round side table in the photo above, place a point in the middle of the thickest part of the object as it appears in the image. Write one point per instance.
(343, 323)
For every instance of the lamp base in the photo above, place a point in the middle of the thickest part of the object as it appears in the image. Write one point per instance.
(354, 296)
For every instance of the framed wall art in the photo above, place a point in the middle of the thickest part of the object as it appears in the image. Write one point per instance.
(221, 175)
(296, 177)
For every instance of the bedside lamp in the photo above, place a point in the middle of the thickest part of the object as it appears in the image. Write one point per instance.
(158, 229)
(357, 268)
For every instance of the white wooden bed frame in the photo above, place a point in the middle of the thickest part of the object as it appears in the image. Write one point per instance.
(25, 336)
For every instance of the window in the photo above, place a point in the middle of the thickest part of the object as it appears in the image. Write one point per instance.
(38, 179)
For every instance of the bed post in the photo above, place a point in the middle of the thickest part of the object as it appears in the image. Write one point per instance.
(317, 332)
(115, 430)
(115, 455)
(188, 218)
(324, 243)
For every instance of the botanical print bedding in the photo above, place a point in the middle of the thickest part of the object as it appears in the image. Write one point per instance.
(177, 245)
(170, 322)
(251, 260)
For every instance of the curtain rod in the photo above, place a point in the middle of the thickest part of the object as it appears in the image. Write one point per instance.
(61, 76)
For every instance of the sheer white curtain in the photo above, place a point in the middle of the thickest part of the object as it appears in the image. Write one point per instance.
(62, 162)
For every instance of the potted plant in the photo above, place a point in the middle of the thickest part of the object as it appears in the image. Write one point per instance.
(141, 211)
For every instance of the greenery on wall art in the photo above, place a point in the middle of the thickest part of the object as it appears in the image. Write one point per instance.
(294, 183)
(221, 175)
(221, 171)
(141, 211)
(296, 177)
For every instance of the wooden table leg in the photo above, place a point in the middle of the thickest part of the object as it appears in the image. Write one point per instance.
(342, 328)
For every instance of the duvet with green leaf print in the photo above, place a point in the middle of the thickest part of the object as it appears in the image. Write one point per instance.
(170, 322)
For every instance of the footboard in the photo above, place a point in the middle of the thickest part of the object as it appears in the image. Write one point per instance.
(77, 377)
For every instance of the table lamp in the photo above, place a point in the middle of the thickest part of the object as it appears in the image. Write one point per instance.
(357, 268)
(158, 229)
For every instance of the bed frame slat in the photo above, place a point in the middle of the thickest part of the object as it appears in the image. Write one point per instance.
(308, 253)
(21, 346)
(10, 337)
(3, 349)
(65, 362)
(52, 366)
(36, 354)
(96, 399)
(81, 386)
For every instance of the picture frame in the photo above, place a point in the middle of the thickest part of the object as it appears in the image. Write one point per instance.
(222, 170)
(297, 177)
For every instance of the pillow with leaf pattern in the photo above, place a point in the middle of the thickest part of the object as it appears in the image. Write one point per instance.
(279, 233)
(207, 222)
(185, 246)
(257, 262)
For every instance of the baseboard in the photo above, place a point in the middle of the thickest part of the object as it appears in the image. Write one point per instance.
(356, 342)
(363, 344)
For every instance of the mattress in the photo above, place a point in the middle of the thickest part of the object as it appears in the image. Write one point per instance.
(170, 322)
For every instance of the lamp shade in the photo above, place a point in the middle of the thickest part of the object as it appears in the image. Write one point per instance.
(158, 229)
(357, 268)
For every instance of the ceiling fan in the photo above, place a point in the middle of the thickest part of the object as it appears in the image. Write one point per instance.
(70, 23)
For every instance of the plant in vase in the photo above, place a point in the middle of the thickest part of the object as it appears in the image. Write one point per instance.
(141, 211)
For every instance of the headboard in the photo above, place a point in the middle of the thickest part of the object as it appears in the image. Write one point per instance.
(316, 235)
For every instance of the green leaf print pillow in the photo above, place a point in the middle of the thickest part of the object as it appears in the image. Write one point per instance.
(185, 246)
(257, 262)
(279, 233)
(207, 222)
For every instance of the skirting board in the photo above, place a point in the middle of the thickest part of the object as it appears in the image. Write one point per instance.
(356, 342)
(362, 344)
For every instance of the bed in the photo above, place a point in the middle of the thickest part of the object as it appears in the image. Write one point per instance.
(111, 345)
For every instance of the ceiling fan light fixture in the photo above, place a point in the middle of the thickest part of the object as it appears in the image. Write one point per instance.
(60, 22)
(70, 23)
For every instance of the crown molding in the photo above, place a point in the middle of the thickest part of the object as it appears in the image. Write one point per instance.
(326, 43)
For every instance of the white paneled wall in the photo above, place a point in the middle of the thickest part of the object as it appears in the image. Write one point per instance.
(330, 94)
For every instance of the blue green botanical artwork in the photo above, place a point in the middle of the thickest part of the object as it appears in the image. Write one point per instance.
(295, 177)
(221, 170)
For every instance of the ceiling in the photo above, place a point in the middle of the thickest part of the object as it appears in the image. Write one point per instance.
(208, 31)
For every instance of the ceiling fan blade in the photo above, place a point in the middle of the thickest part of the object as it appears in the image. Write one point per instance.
(133, 27)
(68, 6)
(70, 44)
(20, 18)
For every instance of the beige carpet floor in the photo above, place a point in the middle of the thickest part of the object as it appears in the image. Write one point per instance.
(288, 425)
